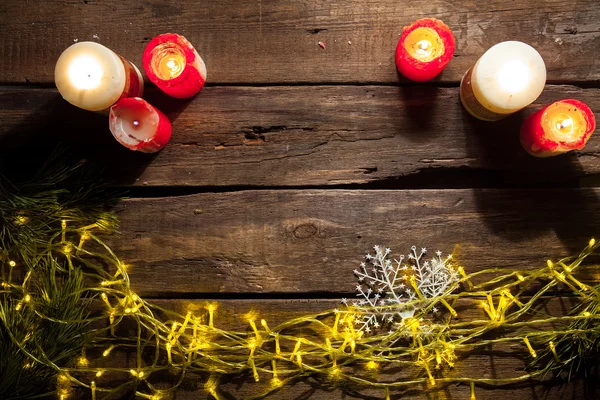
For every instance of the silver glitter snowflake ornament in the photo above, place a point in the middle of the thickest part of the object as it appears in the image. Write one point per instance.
(385, 286)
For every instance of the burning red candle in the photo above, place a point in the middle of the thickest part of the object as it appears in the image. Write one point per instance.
(172, 64)
(558, 128)
(139, 126)
(424, 49)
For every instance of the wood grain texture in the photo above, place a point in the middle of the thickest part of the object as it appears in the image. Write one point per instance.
(310, 241)
(268, 41)
(255, 132)
(299, 136)
(498, 361)
(315, 390)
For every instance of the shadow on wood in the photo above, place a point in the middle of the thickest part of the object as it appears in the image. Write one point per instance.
(498, 146)
(419, 103)
(171, 106)
(44, 127)
(522, 217)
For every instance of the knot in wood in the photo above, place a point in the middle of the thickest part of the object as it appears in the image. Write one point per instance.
(305, 231)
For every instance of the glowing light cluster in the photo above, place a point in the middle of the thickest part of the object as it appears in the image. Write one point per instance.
(191, 342)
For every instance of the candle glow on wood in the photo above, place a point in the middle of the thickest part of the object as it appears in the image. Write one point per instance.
(424, 49)
(93, 77)
(139, 126)
(558, 128)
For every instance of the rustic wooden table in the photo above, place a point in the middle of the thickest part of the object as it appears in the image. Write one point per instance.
(296, 159)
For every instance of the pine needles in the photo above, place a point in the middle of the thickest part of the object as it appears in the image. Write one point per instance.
(44, 306)
(33, 209)
(33, 339)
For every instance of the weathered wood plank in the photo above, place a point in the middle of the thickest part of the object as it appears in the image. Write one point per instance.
(266, 41)
(297, 136)
(507, 361)
(311, 240)
(314, 391)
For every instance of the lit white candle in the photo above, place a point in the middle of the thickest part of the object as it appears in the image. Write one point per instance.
(93, 77)
(508, 77)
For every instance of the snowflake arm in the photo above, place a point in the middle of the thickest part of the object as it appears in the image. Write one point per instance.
(383, 285)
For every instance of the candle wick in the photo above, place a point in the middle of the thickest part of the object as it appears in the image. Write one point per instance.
(136, 123)
(564, 124)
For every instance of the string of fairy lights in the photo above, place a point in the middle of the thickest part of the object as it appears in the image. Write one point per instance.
(184, 344)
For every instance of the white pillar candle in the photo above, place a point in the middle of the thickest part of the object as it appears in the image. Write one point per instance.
(508, 77)
(93, 77)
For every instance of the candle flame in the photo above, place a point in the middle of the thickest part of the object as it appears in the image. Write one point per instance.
(133, 121)
(168, 61)
(514, 76)
(423, 48)
(424, 44)
(565, 124)
(172, 66)
(85, 72)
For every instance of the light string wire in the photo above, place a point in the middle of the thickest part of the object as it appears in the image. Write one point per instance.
(164, 341)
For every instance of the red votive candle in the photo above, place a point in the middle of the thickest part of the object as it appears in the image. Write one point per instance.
(424, 49)
(558, 128)
(139, 126)
(172, 64)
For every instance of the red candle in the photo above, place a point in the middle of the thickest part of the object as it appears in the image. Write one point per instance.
(558, 128)
(424, 49)
(139, 126)
(172, 64)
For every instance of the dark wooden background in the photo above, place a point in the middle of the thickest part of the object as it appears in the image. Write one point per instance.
(294, 160)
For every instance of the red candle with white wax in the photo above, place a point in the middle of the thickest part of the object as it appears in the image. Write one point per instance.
(139, 126)
(558, 128)
(424, 49)
(172, 64)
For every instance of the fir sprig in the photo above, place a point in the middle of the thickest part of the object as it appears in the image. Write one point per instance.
(32, 209)
(35, 341)
(44, 306)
